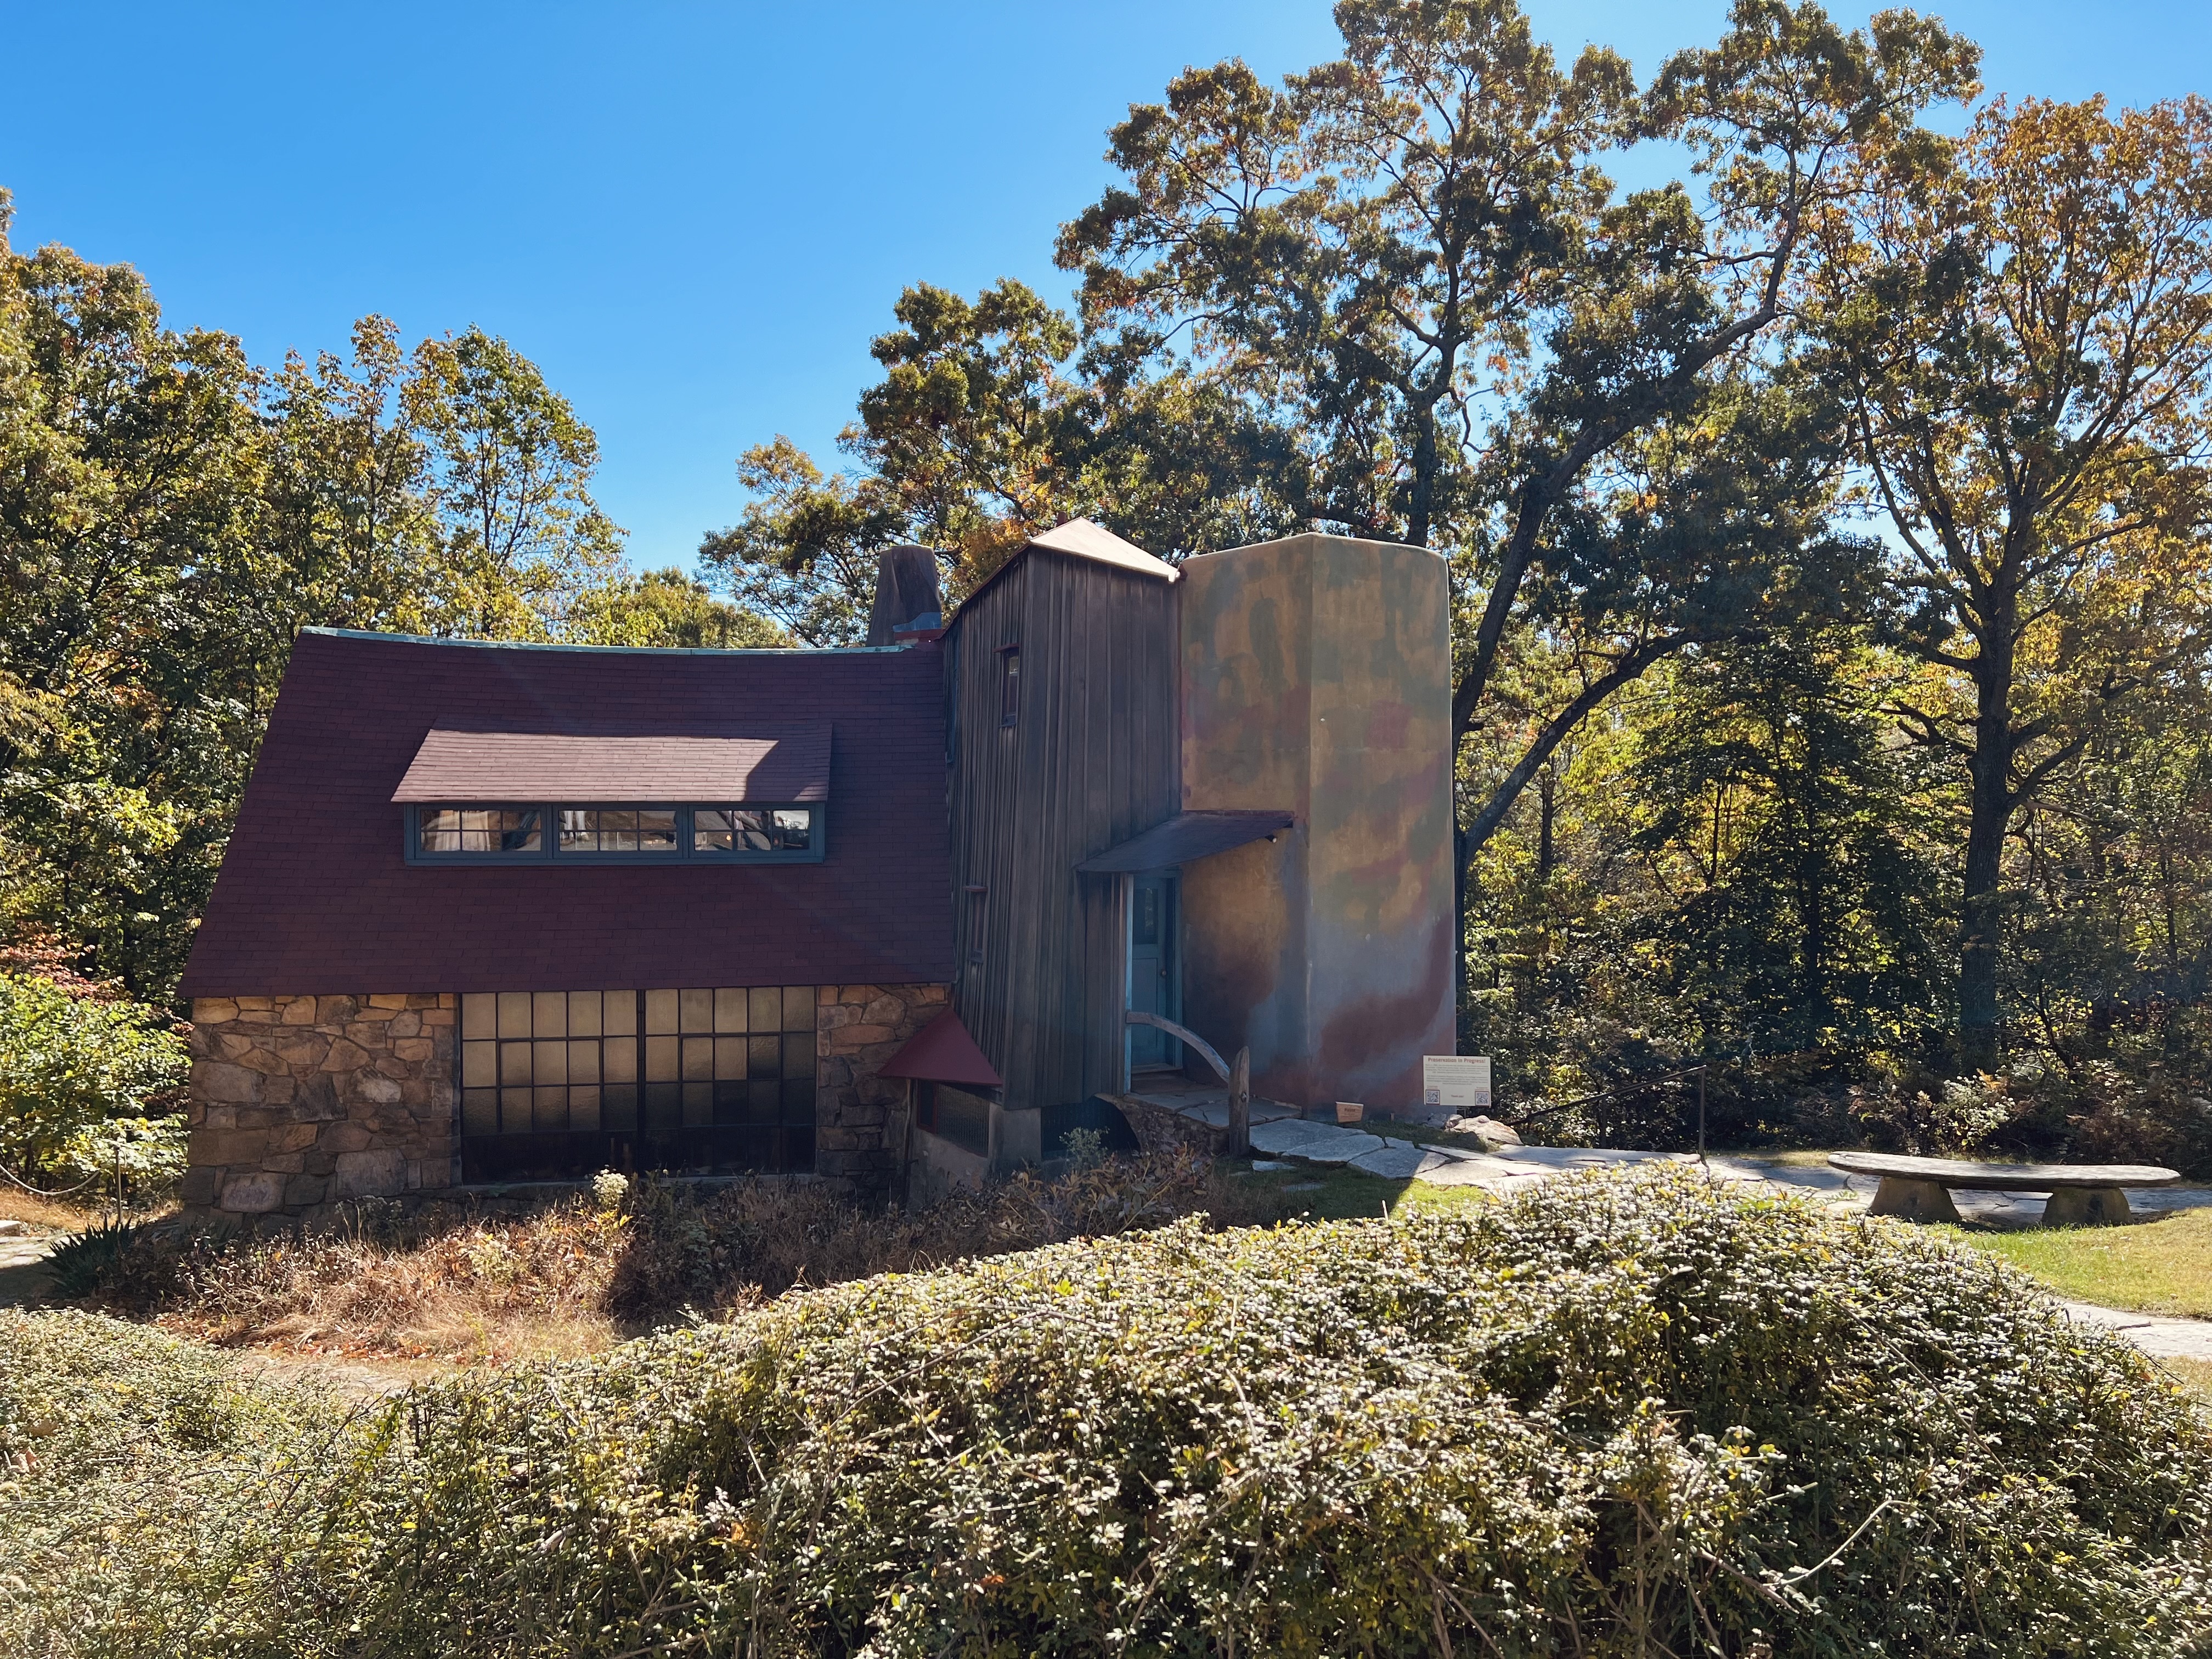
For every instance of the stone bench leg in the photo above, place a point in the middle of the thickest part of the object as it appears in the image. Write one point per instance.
(1913, 1200)
(2087, 1207)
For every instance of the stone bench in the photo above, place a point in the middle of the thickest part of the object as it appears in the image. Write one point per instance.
(2081, 1194)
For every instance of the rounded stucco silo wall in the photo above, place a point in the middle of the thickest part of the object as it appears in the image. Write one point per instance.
(1316, 678)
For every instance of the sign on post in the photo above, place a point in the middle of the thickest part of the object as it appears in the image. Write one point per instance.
(1460, 1082)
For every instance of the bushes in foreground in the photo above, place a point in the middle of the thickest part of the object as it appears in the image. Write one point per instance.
(1621, 1415)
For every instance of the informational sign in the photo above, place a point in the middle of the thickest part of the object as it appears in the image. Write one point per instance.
(1460, 1082)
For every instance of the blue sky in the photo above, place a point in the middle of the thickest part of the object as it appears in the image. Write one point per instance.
(694, 216)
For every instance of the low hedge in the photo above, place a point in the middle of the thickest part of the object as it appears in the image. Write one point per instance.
(1621, 1415)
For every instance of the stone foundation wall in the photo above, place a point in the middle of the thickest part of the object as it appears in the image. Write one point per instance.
(860, 1118)
(301, 1101)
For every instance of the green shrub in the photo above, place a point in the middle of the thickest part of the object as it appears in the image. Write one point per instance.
(145, 1156)
(1620, 1415)
(148, 1497)
(83, 1263)
(69, 1065)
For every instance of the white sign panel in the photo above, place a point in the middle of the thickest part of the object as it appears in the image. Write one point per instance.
(1459, 1081)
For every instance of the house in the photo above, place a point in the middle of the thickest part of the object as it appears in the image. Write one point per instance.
(499, 912)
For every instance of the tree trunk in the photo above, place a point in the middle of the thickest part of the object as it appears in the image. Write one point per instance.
(1988, 817)
(1421, 506)
(1493, 814)
(1460, 980)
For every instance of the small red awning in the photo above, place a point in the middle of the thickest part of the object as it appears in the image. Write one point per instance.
(943, 1052)
(774, 765)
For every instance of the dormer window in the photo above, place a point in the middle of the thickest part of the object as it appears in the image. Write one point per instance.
(646, 829)
(563, 798)
(614, 834)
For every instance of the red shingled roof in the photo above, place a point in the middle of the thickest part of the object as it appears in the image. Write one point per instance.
(315, 894)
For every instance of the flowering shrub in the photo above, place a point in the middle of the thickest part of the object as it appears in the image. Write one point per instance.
(1620, 1415)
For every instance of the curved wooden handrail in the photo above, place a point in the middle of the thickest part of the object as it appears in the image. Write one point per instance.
(1181, 1034)
(1238, 1077)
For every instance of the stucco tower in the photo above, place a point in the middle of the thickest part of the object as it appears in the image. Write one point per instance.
(1318, 676)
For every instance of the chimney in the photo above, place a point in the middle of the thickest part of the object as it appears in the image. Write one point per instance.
(907, 598)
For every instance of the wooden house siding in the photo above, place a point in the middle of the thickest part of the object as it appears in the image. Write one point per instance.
(1090, 760)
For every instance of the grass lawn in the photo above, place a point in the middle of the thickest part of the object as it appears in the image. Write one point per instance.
(1344, 1194)
(2161, 1266)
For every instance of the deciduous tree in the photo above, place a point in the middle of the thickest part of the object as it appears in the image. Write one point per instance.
(2026, 336)
(511, 467)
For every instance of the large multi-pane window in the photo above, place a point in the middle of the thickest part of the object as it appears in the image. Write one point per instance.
(567, 1081)
(723, 832)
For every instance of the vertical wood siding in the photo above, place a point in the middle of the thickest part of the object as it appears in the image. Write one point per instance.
(1091, 761)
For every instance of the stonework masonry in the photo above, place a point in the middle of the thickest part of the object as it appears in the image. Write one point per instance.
(859, 1135)
(299, 1103)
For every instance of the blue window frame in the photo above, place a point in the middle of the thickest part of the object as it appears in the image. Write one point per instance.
(627, 832)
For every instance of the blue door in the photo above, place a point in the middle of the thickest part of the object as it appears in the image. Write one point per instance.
(1153, 982)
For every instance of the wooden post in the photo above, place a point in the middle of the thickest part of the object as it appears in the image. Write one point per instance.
(906, 1152)
(1239, 1140)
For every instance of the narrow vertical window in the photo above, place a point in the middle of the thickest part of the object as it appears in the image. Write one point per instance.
(1010, 684)
(977, 897)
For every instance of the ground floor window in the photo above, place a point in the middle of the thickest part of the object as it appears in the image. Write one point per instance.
(709, 1080)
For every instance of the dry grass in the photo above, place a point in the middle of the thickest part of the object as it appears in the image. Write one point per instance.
(60, 1215)
(447, 1285)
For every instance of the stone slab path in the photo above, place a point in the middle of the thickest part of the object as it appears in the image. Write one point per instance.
(23, 1265)
(2161, 1334)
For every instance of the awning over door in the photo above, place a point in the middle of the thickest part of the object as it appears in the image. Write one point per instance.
(1187, 837)
(779, 765)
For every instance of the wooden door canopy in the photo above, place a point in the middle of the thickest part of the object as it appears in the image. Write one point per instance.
(1187, 837)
